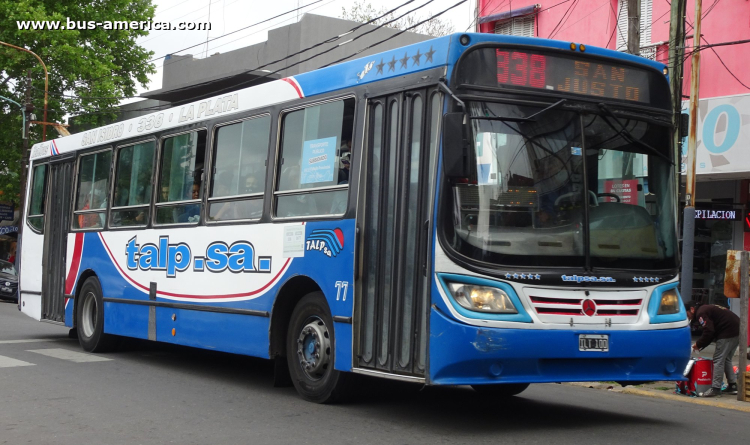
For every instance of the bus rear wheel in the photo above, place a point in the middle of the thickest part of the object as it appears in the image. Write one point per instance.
(310, 348)
(501, 389)
(90, 318)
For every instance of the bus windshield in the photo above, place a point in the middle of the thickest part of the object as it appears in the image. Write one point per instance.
(563, 186)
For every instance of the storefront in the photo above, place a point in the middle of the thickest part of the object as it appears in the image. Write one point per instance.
(722, 192)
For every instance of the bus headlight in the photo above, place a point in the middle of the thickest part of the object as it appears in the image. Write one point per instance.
(482, 298)
(670, 302)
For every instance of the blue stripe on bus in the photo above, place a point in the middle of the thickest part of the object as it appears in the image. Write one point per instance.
(442, 51)
(240, 334)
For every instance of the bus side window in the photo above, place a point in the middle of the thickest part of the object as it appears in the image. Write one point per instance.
(316, 148)
(92, 188)
(38, 195)
(181, 179)
(239, 170)
(133, 178)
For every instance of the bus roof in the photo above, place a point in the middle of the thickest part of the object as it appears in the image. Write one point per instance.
(433, 53)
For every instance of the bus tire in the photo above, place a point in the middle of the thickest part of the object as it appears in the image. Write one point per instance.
(501, 389)
(310, 351)
(90, 318)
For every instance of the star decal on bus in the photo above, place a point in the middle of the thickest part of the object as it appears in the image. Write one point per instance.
(404, 61)
(415, 58)
(392, 64)
(428, 55)
(380, 67)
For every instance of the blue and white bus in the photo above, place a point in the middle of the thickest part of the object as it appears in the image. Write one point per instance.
(474, 210)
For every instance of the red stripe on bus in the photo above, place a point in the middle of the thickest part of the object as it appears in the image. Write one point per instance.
(70, 281)
(293, 83)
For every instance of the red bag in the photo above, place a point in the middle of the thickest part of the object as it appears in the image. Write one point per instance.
(699, 373)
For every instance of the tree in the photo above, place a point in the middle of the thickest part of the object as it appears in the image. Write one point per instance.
(89, 69)
(364, 12)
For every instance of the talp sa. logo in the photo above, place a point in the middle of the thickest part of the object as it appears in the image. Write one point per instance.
(330, 242)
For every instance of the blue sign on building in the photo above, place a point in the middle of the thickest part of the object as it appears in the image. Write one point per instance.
(6, 212)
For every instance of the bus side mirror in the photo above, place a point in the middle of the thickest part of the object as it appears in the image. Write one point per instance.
(684, 125)
(455, 145)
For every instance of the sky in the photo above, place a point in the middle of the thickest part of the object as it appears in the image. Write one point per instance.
(229, 15)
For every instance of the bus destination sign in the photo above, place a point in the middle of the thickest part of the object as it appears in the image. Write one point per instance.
(571, 75)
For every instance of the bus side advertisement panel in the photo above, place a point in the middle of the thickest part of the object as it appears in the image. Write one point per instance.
(221, 270)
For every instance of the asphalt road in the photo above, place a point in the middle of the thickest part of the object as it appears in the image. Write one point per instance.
(147, 393)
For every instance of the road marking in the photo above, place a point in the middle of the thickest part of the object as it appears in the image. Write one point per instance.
(27, 340)
(7, 362)
(65, 354)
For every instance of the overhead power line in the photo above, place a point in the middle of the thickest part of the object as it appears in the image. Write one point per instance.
(332, 39)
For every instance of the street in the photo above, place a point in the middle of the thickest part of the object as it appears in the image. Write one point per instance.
(51, 392)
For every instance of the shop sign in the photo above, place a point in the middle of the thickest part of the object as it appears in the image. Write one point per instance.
(727, 215)
(626, 189)
(723, 136)
(6, 212)
(4, 230)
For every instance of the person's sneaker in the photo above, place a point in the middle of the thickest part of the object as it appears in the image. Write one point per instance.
(712, 392)
(730, 389)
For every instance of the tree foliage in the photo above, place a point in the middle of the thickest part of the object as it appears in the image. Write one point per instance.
(364, 12)
(89, 69)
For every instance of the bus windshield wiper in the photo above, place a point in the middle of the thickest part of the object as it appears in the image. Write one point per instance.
(529, 118)
(629, 136)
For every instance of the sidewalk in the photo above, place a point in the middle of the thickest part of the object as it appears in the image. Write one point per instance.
(665, 389)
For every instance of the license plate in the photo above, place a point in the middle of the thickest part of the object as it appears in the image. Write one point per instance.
(5, 289)
(592, 342)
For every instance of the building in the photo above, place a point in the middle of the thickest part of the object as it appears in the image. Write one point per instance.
(187, 79)
(723, 150)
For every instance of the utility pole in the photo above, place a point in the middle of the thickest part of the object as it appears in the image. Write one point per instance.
(688, 226)
(634, 27)
(675, 69)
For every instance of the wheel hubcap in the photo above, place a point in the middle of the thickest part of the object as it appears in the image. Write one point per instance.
(314, 348)
(89, 314)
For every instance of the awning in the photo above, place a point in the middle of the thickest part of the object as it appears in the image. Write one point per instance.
(526, 10)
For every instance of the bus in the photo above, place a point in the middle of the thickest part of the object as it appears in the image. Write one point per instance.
(474, 209)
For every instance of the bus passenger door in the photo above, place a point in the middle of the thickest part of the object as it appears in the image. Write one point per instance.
(57, 225)
(395, 223)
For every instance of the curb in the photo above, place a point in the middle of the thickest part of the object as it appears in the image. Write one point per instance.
(745, 407)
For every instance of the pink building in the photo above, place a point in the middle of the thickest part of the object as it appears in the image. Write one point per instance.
(723, 150)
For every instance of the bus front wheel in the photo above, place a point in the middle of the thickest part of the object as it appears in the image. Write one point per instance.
(501, 390)
(90, 318)
(310, 351)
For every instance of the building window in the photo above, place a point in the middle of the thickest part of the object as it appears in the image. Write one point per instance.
(622, 24)
(181, 179)
(314, 161)
(38, 193)
(239, 174)
(133, 178)
(92, 190)
(518, 26)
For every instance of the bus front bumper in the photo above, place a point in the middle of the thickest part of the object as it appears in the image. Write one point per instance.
(461, 354)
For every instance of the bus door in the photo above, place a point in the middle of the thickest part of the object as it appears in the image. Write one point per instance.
(57, 224)
(395, 222)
